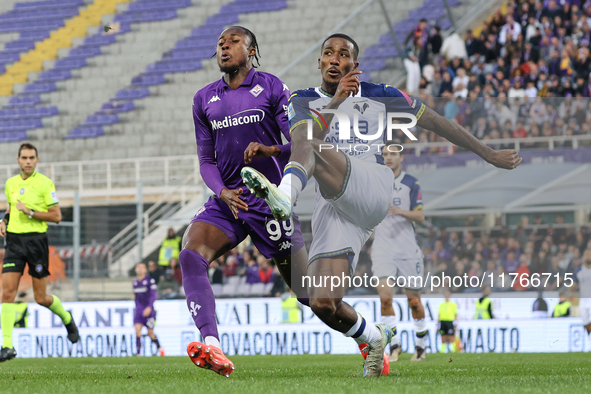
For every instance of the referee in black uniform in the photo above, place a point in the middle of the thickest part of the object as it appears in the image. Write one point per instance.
(32, 202)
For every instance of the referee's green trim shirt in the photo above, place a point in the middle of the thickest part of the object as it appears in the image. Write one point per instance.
(37, 192)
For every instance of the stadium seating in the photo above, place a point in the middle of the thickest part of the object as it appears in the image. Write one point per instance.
(169, 60)
(186, 56)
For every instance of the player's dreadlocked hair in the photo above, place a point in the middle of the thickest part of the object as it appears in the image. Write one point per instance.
(253, 44)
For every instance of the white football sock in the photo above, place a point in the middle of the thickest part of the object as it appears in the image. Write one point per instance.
(213, 341)
(420, 332)
(391, 322)
(291, 184)
(365, 332)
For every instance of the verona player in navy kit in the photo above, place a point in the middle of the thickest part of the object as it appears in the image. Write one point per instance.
(240, 119)
(396, 253)
(354, 191)
(145, 291)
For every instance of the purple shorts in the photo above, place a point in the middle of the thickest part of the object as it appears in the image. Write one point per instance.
(138, 318)
(272, 238)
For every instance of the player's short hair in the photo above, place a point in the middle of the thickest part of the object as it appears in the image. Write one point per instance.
(346, 37)
(27, 145)
(142, 263)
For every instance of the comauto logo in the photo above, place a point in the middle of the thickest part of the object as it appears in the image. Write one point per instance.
(247, 116)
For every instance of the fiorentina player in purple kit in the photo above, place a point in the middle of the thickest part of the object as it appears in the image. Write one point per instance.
(144, 289)
(240, 119)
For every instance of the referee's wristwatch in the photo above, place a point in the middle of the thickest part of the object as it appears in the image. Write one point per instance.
(31, 214)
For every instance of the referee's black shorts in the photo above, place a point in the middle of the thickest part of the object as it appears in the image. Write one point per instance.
(446, 328)
(28, 248)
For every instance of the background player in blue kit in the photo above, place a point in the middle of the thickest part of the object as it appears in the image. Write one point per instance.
(396, 253)
(239, 119)
(354, 192)
(145, 291)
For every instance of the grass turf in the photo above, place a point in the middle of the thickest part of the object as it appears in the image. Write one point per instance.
(440, 373)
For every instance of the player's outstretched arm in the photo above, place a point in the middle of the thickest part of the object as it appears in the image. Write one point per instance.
(453, 132)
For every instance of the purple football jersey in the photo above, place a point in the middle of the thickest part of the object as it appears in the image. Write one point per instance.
(228, 120)
(145, 291)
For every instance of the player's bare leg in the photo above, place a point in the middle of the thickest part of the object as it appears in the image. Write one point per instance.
(138, 338)
(155, 341)
(420, 326)
(202, 243)
(447, 342)
(389, 317)
(54, 304)
(327, 303)
(293, 268)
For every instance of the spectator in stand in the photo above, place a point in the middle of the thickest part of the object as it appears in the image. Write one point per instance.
(231, 267)
(171, 247)
(176, 270)
(510, 31)
(278, 284)
(555, 270)
(459, 270)
(522, 272)
(562, 309)
(435, 41)
(490, 273)
(446, 85)
(168, 287)
(473, 45)
(215, 273)
(468, 246)
(440, 251)
(154, 271)
(265, 270)
(460, 79)
(511, 262)
(475, 270)
(520, 131)
(413, 68)
(454, 47)
(252, 272)
(453, 244)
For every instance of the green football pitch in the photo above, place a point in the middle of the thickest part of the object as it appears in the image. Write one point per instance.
(440, 373)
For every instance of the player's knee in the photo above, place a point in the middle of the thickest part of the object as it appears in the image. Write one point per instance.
(324, 308)
(8, 295)
(41, 299)
(187, 256)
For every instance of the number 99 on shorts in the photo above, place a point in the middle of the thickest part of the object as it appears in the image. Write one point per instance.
(277, 229)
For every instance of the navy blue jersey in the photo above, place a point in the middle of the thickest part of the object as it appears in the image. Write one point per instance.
(369, 106)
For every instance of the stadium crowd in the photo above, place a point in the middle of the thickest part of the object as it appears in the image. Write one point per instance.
(525, 74)
(249, 266)
(526, 250)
